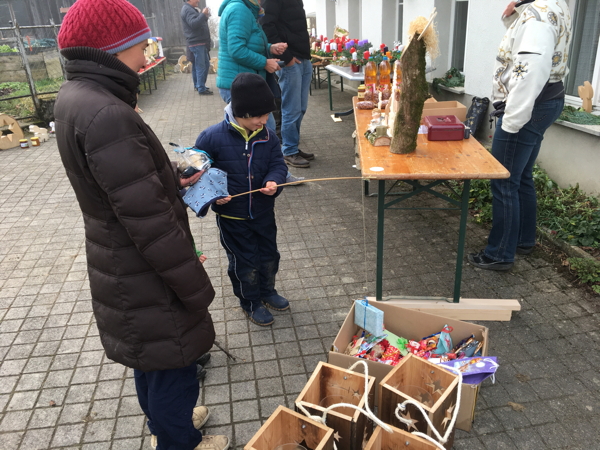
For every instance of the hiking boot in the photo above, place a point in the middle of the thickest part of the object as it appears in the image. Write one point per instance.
(296, 160)
(200, 372)
(200, 416)
(483, 262)
(213, 443)
(525, 250)
(203, 360)
(291, 180)
(306, 156)
(260, 316)
(276, 302)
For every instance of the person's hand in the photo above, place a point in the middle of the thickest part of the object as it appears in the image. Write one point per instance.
(271, 65)
(222, 201)
(279, 48)
(206, 11)
(293, 61)
(185, 182)
(202, 258)
(509, 9)
(270, 188)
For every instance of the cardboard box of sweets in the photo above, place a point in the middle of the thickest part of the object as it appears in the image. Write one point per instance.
(445, 109)
(412, 324)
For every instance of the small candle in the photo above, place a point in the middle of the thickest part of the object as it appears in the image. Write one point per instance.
(382, 46)
(321, 38)
(366, 54)
(352, 50)
(354, 56)
(327, 48)
(348, 45)
(333, 46)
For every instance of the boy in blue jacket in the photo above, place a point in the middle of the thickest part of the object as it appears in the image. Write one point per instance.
(250, 153)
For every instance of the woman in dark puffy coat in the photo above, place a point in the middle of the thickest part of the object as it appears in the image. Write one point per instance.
(150, 293)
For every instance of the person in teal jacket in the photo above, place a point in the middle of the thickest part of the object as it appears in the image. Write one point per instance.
(243, 46)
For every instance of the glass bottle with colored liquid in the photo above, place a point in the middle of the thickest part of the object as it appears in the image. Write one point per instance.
(384, 74)
(371, 75)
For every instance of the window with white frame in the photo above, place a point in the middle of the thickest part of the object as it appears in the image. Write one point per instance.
(459, 34)
(584, 57)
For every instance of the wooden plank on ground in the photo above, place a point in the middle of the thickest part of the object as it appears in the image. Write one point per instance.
(467, 309)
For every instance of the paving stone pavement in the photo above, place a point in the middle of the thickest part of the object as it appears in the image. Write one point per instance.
(58, 389)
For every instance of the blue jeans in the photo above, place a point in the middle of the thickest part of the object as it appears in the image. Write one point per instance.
(168, 398)
(295, 84)
(200, 66)
(514, 205)
(226, 96)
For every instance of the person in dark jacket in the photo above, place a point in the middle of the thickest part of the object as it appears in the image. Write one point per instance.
(150, 293)
(285, 21)
(250, 153)
(197, 35)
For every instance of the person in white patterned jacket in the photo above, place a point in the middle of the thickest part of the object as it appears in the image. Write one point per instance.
(528, 96)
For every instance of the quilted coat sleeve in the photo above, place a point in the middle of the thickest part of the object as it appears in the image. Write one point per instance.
(239, 22)
(127, 170)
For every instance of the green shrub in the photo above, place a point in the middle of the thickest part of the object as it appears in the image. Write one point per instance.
(7, 49)
(588, 271)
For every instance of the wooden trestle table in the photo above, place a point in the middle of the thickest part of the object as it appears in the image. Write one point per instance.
(432, 164)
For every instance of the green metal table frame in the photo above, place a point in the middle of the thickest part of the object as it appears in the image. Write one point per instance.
(353, 76)
(418, 188)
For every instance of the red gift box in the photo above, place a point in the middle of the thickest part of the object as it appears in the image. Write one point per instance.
(444, 128)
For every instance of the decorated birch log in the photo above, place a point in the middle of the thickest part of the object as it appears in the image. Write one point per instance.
(415, 91)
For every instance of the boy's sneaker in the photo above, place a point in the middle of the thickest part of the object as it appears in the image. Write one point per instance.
(306, 156)
(483, 262)
(200, 416)
(260, 316)
(213, 443)
(296, 160)
(276, 302)
(291, 180)
(525, 250)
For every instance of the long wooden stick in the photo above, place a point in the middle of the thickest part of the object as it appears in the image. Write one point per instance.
(301, 181)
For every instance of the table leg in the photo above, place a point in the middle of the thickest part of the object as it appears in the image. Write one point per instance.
(329, 88)
(366, 187)
(380, 217)
(154, 77)
(342, 84)
(462, 232)
(163, 68)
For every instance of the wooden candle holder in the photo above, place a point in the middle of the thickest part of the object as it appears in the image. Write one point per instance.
(399, 439)
(330, 384)
(430, 385)
(286, 427)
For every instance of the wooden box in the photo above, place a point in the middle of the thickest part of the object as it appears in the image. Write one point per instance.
(399, 439)
(412, 324)
(330, 384)
(289, 427)
(433, 387)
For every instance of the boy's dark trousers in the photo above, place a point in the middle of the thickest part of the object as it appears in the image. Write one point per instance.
(168, 398)
(251, 247)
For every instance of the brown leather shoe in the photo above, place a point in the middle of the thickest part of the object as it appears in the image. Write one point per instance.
(306, 156)
(296, 160)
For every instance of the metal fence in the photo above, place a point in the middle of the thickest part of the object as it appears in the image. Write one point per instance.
(31, 68)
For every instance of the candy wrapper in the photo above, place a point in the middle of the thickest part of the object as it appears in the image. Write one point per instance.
(475, 370)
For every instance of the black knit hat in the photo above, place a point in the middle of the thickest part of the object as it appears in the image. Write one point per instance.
(251, 96)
